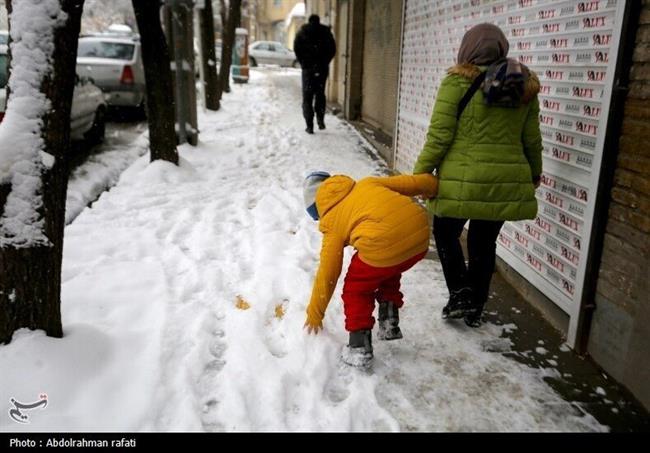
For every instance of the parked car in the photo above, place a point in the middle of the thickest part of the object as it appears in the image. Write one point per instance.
(114, 62)
(88, 114)
(271, 52)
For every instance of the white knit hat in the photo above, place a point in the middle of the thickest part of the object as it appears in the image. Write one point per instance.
(310, 187)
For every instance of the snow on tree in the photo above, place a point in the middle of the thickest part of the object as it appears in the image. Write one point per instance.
(34, 138)
(24, 160)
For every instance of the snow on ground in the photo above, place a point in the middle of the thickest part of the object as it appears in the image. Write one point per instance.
(184, 296)
(102, 169)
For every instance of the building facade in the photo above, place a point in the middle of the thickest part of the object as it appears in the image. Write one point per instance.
(368, 36)
(270, 19)
(293, 22)
(619, 337)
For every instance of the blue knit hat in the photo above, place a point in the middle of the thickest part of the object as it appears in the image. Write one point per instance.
(310, 187)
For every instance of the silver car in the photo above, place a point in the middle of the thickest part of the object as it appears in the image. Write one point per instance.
(271, 52)
(114, 63)
(88, 113)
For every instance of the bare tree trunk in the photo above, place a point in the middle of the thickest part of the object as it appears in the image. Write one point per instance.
(228, 42)
(30, 275)
(158, 78)
(223, 12)
(209, 59)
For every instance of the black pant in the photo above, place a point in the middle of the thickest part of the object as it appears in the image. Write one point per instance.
(313, 94)
(481, 246)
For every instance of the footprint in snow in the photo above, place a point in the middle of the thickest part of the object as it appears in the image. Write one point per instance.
(337, 388)
(208, 381)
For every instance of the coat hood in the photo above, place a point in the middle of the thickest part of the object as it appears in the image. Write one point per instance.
(471, 71)
(332, 191)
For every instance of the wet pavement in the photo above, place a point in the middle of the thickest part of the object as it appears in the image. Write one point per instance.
(536, 343)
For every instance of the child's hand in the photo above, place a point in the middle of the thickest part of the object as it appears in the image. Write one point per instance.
(313, 328)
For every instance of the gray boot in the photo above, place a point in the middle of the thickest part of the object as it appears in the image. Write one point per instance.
(388, 321)
(358, 352)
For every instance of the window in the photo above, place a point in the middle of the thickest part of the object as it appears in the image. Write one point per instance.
(105, 49)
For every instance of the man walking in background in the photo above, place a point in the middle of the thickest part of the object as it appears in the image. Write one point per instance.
(314, 47)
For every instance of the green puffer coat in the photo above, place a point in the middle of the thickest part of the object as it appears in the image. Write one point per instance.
(486, 161)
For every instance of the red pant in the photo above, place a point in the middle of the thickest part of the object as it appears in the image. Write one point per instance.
(365, 283)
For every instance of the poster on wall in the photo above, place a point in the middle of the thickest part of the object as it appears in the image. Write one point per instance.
(572, 46)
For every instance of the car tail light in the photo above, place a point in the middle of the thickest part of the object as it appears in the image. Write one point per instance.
(127, 76)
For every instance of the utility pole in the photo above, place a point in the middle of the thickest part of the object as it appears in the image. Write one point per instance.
(182, 42)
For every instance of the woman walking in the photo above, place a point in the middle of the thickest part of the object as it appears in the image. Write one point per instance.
(485, 144)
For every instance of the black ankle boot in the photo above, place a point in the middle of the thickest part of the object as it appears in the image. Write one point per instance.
(388, 321)
(459, 301)
(473, 315)
(358, 352)
(321, 123)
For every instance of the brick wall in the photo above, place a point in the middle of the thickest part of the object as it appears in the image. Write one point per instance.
(620, 329)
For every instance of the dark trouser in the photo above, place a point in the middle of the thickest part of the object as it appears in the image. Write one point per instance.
(313, 94)
(481, 246)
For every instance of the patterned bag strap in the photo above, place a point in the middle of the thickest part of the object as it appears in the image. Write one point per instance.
(470, 93)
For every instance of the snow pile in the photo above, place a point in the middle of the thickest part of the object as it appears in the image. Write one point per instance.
(184, 296)
(22, 159)
(103, 169)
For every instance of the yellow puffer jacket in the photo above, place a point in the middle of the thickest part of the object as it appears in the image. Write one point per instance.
(376, 217)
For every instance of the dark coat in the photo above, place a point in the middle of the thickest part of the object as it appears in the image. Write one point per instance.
(314, 46)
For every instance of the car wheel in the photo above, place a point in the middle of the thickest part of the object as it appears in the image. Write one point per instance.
(96, 133)
(253, 62)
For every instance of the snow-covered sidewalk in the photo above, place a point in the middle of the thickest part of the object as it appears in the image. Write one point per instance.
(184, 298)
(102, 168)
